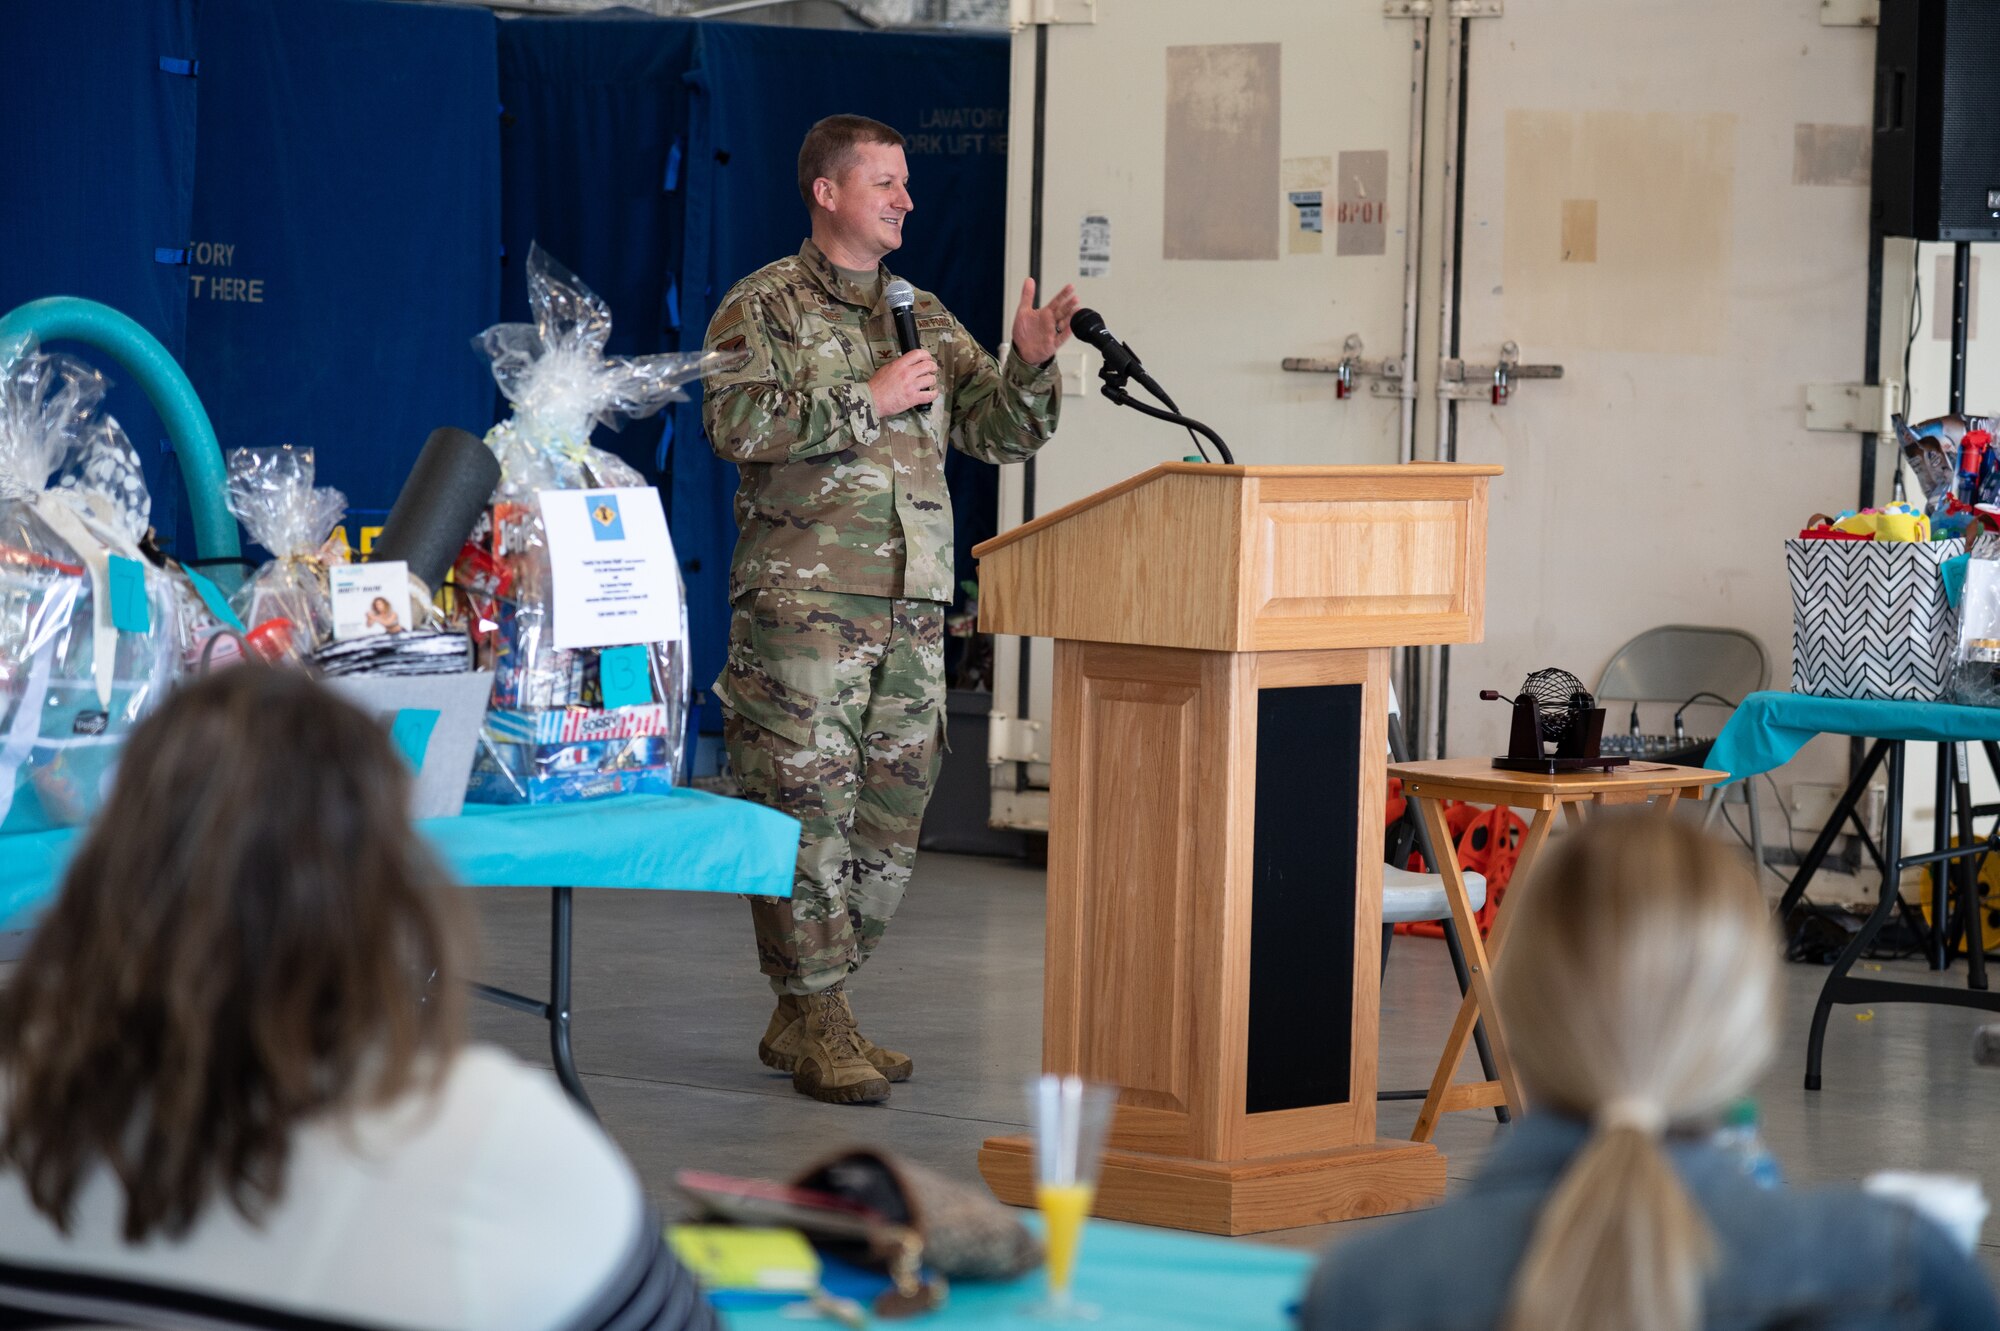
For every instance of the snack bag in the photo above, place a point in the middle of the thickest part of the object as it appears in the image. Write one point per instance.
(271, 492)
(87, 623)
(549, 735)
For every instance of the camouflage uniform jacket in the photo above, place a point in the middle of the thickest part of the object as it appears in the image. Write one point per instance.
(831, 498)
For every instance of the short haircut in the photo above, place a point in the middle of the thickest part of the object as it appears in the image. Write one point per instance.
(830, 144)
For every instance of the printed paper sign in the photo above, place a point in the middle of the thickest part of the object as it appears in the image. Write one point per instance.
(369, 598)
(616, 581)
(1093, 248)
(1308, 202)
(1308, 181)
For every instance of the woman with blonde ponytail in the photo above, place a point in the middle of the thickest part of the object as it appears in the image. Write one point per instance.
(1638, 989)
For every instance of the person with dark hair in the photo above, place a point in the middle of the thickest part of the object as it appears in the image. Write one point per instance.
(833, 687)
(1638, 991)
(233, 1069)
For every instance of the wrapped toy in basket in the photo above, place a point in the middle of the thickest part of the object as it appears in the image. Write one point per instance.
(87, 623)
(552, 732)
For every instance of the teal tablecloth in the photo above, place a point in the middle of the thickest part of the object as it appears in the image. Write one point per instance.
(683, 841)
(1143, 1280)
(1770, 727)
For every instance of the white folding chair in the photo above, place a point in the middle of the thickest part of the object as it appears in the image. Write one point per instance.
(1410, 897)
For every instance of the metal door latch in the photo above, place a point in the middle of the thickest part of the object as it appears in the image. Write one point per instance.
(1013, 739)
(1460, 381)
(1854, 408)
(1386, 375)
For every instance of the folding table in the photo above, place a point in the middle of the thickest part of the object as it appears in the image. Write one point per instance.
(1476, 780)
(682, 841)
(1768, 728)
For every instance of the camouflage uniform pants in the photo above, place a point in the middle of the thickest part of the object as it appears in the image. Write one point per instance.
(833, 708)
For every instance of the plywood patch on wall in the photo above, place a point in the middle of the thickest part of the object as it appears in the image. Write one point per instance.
(1579, 231)
(1660, 194)
(1944, 292)
(1222, 190)
(1832, 154)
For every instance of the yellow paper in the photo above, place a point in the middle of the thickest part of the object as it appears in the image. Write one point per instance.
(733, 1257)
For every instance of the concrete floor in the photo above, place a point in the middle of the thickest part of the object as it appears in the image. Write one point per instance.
(669, 1007)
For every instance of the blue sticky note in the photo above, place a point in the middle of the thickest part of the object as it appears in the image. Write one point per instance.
(1953, 572)
(410, 732)
(212, 597)
(624, 673)
(129, 611)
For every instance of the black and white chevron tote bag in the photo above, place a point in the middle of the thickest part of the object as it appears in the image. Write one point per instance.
(1870, 619)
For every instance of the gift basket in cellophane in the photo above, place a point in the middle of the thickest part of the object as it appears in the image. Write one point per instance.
(285, 602)
(549, 735)
(88, 624)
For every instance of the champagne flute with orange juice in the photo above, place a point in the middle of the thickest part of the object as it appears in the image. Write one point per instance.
(1071, 1119)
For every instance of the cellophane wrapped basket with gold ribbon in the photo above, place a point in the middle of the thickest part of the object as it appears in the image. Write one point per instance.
(272, 494)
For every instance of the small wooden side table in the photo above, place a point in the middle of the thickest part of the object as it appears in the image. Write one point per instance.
(1476, 780)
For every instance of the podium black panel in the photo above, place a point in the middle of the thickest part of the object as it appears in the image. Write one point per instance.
(1302, 897)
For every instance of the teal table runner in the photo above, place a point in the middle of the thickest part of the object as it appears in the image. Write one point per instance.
(682, 841)
(1141, 1278)
(1769, 728)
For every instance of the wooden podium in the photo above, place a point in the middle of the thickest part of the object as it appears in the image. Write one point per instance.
(1216, 820)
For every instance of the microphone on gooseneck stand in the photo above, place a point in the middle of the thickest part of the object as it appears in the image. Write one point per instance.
(902, 299)
(1121, 364)
(1118, 358)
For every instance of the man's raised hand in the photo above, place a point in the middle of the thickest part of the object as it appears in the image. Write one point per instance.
(1039, 334)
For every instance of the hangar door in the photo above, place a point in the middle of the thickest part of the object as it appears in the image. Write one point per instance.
(1229, 186)
(1670, 202)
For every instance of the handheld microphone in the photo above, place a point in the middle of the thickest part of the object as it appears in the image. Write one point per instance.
(902, 299)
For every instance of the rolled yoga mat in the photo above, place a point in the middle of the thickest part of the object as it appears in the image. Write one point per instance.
(440, 503)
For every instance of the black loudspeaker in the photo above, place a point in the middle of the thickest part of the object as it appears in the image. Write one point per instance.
(1937, 137)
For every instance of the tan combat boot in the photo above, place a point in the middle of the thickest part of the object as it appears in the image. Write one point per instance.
(830, 1065)
(780, 1046)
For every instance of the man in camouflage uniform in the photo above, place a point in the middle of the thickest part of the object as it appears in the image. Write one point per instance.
(833, 690)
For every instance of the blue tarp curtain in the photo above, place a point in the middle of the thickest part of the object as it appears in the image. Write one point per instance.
(593, 139)
(346, 238)
(377, 171)
(104, 179)
(948, 95)
(299, 200)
